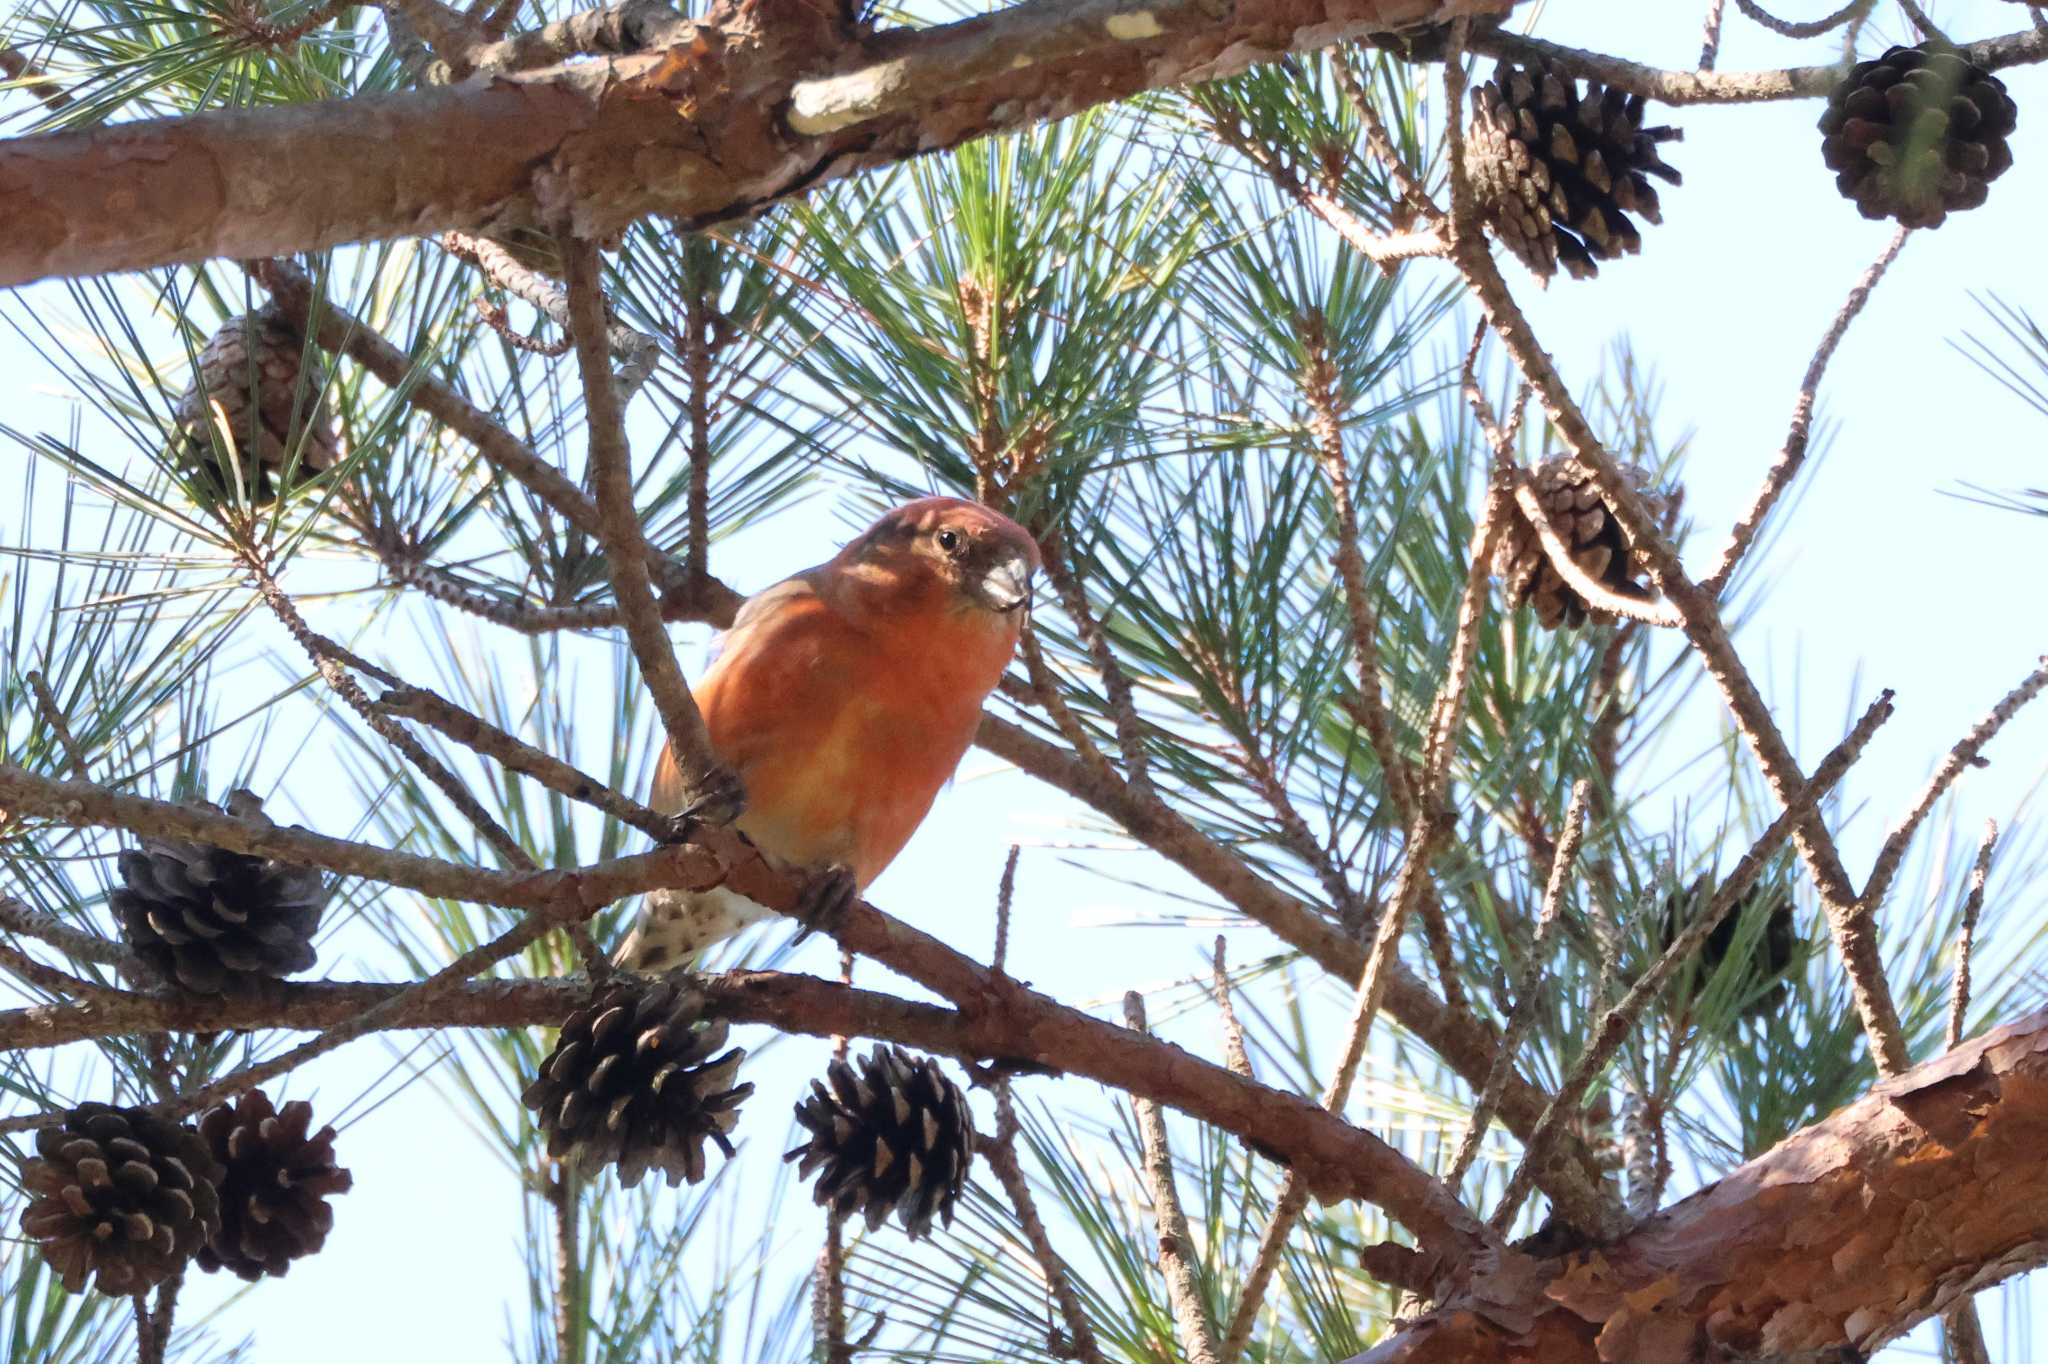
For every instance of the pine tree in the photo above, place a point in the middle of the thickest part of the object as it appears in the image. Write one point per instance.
(575, 327)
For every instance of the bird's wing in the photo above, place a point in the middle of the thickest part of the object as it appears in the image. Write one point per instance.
(765, 629)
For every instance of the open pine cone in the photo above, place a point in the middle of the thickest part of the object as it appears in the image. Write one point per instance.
(256, 393)
(213, 920)
(277, 1177)
(1583, 521)
(1558, 173)
(633, 1081)
(1917, 134)
(898, 1137)
(119, 1195)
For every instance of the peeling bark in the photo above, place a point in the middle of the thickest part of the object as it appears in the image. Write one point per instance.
(1839, 1239)
(703, 130)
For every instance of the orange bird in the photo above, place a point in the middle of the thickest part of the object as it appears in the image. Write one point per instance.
(843, 698)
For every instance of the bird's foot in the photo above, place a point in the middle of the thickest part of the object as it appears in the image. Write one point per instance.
(718, 799)
(825, 895)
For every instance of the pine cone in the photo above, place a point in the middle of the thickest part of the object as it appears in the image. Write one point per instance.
(275, 1186)
(1917, 134)
(632, 1081)
(1557, 173)
(213, 920)
(1772, 955)
(119, 1195)
(897, 1138)
(255, 391)
(1582, 519)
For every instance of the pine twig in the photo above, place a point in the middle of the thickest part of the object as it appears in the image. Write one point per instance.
(1710, 36)
(166, 1312)
(53, 716)
(1789, 28)
(1792, 454)
(477, 959)
(637, 352)
(1234, 1054)
(1006, 889)
(1319, 386)
(1176, 1244)
(1966, 935)
(1704, 628)
(146, 1350)
(830, 1303)
(1523, 1012)
(1596, 593)
(16, 917)
(341, 333)
(1380, 143)
(1619, 1021)
(41, 83)
(77, 804)
(564, 1206)
(1927, 26)
(1116, 683)
(1965, 1331)
(1964, 755)
(1047, 686)
(516, 755)
(60, 983)
(1000, 1151)
(332, 662)
(1426, 828)
(713, 792)
(1728, 87)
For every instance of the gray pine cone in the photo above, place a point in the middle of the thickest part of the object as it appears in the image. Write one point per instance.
(213, 920)
(633, 1081)
(897, 1137)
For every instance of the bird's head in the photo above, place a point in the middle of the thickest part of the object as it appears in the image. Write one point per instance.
(980, 559)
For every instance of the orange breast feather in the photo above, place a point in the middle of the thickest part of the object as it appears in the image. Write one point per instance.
(843, 727)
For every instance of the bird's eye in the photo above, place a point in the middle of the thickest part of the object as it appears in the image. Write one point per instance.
(949, 541)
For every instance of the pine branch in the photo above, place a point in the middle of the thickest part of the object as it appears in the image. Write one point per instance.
(1793, 453)
(1465, 1044)
(1781, 1250)
(1176, 1244)
(1619, 1021)
(711, 790)
(768, 103)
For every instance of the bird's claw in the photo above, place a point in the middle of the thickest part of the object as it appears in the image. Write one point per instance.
(824, 896)
(719, 799)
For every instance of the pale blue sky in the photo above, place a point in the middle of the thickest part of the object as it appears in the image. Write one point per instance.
(1885, 579)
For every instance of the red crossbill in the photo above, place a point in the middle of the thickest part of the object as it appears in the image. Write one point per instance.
(843, 698)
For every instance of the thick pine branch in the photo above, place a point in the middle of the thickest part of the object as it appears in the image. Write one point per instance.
(694, 131)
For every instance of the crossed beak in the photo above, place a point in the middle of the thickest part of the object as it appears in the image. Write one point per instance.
(1006, 587)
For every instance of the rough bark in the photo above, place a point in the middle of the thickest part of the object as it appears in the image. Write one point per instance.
(703, 130)
(1839, 1239)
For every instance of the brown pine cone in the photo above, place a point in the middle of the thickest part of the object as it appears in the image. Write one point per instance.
(257, 393)
(1582, 520)
(120, 1196)
(277, 1179)
(1918, 134)
(1557, 173)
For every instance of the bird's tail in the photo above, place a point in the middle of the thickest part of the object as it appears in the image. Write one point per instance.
(676, 925)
